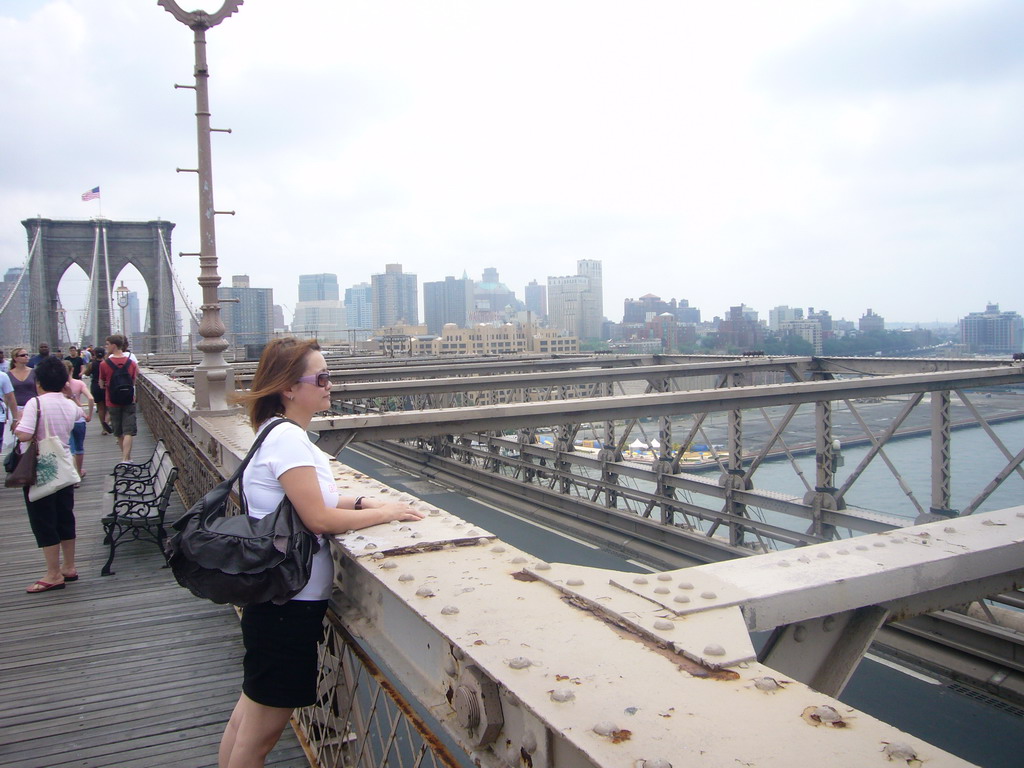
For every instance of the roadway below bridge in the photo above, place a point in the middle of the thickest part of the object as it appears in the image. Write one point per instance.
(889, 684)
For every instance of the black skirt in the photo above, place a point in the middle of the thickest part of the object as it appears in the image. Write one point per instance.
(281, 664)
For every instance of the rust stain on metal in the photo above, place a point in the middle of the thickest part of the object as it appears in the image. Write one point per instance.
(626, 631)
(524, 576)
(620, 736)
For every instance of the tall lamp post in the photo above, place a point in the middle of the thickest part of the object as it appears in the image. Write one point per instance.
(214, 378)
(122, 301)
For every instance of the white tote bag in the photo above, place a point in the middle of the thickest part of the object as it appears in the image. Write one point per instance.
(54, 469)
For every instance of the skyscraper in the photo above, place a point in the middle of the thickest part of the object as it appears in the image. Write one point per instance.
(359, 311)
(576, 303)
(993, 332)
(250, 320)
(537, 300)
(447, 301)
(319, 313)
(395, 298)
(320, 287)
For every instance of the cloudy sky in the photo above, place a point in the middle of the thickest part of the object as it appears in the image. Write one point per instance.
(841, 155)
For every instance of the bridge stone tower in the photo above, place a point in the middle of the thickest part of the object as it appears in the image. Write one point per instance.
(102, 248)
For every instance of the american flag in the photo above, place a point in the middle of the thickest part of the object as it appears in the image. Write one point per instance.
(92, 194)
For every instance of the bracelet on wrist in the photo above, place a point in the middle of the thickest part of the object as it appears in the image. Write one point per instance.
(359, 502)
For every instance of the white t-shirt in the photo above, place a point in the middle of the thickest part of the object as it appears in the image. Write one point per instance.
(285, 448)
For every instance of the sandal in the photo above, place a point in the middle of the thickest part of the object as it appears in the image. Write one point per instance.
(44, 586)
(72, 577)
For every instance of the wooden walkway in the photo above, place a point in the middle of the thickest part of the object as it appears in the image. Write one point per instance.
(121, 671)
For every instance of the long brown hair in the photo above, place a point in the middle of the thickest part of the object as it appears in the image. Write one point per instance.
(282, 363)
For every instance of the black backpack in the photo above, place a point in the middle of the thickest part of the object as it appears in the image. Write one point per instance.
(237, 558)
(121, 385)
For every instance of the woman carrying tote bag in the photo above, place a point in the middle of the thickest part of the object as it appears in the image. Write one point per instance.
(51, 501)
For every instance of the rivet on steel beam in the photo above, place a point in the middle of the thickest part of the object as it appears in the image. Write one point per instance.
(474, 532)
(542, 566)
(659, 762)
(575, 582)
(709, 595)
(389, 565)
(862, 547)
(424, 592)
(661, 590)
(827, 714)
(416, 535)
(639, 580)
(519, 662)
(951, 529)
(450, 669)
(377, 556)
(824, 555)
(434, 513)
(518, 560)
(828, 623)
(898, 750)
(804, 559)
(842, 551)
(799, 633)
(714, 649)
(879, 544)
(530, 743)
(499, 549)
(681, 599)
(767, 684)
(448, 610)
(562, 695)
(664, 577)
(664, 625)
(605, 728)
(370, 545)
(406, 577)
(685, 585)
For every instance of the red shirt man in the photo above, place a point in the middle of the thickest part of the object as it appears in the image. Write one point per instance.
(122, 417)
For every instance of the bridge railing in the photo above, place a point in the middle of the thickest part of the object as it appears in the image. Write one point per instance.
(524, 662)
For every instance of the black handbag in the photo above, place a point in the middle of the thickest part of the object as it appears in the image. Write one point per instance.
(21, 467)
(240, 559)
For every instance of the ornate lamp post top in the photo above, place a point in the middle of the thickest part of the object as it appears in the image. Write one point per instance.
(200, 19)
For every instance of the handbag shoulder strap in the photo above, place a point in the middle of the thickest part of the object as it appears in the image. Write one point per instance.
(39, 416)
(237, 476)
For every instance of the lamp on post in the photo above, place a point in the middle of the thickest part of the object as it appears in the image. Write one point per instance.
(214, 378)
(122, 301)
(61, 321)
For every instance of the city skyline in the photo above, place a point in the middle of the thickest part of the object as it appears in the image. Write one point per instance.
(797, 153)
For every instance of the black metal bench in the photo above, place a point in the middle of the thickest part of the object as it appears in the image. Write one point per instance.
(139, 507)
(144, 471)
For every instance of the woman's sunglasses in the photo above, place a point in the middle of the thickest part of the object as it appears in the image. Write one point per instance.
(320, 379)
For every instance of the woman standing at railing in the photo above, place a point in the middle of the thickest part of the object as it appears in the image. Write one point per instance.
(280, 663)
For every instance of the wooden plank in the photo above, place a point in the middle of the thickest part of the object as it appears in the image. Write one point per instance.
(129, 669)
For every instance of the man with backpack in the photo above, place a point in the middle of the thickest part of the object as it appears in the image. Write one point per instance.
(117, 378)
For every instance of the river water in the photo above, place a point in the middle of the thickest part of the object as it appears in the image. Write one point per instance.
(975, 461)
